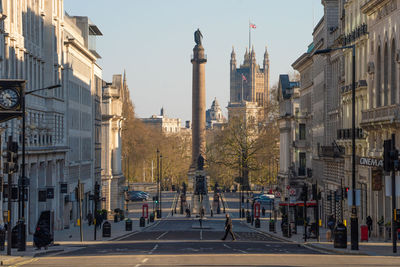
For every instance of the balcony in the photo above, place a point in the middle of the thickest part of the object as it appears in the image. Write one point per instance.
(381, 116)
(346, 134)
(301, 144)
(333, 151)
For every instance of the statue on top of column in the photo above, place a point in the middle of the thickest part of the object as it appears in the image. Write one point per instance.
(198, 37)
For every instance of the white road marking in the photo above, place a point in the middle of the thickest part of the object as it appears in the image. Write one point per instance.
(163, 234)
(234, 249)
(225, 245)
(201, 234)
(153, 249)
(145, 260)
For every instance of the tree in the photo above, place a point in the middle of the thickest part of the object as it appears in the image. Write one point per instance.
(243, 149)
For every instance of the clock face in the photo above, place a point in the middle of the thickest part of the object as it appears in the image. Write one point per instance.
(9, 98)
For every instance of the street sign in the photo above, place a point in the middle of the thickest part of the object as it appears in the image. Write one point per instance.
(277, 194)
(292, 192)
(288, 187)
(292, 199)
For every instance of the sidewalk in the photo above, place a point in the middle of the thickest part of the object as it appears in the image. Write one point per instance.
(371, 248)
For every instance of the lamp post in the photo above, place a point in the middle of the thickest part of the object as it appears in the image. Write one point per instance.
(158, 181)
(161, 174)
(21, 184)
(354, 218)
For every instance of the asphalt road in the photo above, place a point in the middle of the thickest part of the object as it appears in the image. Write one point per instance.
(178, 241)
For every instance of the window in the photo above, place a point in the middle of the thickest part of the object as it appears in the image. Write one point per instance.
(393, 85)
(302, 131)
(302, 164)
(378, 77)
(385, 76)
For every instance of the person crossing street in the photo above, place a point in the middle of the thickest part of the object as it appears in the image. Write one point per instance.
(228, 228)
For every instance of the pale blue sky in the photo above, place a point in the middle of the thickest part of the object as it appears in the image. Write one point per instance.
(153, 41)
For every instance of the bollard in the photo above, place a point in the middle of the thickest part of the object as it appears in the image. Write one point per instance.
(152, 217)
(142, 222)
(128, 225)
(257, 223)
(106, 229)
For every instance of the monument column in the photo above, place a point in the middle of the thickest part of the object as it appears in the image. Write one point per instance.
(198, 102)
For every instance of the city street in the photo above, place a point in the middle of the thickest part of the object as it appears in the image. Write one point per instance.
(177, 240)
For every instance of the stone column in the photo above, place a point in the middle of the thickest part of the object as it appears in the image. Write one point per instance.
(198, 104)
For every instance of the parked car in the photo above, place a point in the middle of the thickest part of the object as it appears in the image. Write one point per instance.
(138, 195)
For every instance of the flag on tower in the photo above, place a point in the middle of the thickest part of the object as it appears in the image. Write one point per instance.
(252, 25)
(244, 78)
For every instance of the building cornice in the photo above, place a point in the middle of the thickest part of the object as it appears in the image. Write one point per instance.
(373, 5)
(81, 48)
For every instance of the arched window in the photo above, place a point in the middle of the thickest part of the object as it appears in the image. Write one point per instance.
(393, 76)
(385, 74)
(378, 78)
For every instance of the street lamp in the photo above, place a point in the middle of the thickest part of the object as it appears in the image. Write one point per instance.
(21, 205)
(354, 219)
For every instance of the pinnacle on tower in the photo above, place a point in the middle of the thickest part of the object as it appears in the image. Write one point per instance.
(266, 55)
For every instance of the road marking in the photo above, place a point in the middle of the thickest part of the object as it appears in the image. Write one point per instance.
(225, 245)
(153, 249)
(201, 234)
(143, 261)
(234, 249)
(163, 234)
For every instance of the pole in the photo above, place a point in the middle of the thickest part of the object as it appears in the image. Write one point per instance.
(341, 200)
(9, 205)
(354, 219)
(305, 212)
(95, 207)
(249, 36)
(160, 185)
(317, 210)
(242, 90)
(158, 179)
(394, 199)
(80, 209)
(21, 202)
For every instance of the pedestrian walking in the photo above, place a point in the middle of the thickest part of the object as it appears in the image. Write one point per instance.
(369, 224)
(228, 228)
(89, 218)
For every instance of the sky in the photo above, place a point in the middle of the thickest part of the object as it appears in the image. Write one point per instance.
(153, 41)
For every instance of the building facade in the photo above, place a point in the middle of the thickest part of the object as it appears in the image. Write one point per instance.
(112, 179)
(288, 98)
(82, 78)
(248, 83)
(31, 47)
(163, 123)
(379, 119)
(214, 115)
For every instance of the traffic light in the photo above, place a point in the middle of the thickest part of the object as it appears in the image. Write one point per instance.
(304, 193)
(387, 163)
(345, 192)
(96, 192)
(11, 165)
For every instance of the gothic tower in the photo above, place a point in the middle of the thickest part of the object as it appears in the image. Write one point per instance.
(249, 84)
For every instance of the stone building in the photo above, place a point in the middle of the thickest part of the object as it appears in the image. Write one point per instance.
(249, 83)
(163, 124)
(214, 115)
(379, 117)
(317, 156)
(82, 80)
(31, 48)
(112, 179)
(291, 168)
